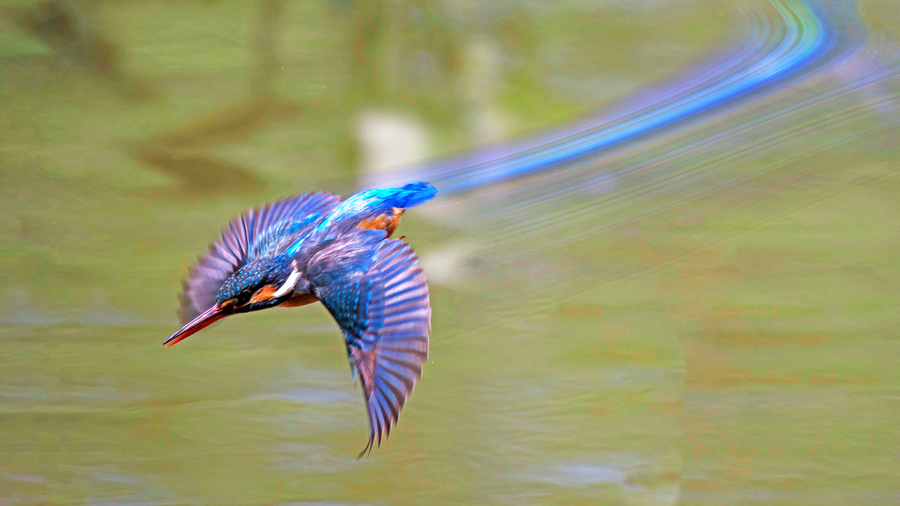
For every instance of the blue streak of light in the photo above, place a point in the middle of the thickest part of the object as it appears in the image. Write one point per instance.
(771, 57)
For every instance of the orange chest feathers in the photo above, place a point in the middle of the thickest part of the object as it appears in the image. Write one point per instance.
(299, 300)
(386, 221)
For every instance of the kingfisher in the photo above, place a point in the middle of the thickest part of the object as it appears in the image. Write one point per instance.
(313, 247)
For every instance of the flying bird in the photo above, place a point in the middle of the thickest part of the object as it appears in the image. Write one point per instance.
(313, 247)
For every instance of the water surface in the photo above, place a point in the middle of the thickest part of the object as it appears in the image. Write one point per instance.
(702, 314)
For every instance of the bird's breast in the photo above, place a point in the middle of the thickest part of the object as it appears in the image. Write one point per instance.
(299, 299)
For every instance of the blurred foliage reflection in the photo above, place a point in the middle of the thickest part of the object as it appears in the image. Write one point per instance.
(705, 314)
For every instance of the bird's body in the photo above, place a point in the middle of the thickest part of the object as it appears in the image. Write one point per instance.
(314, 247)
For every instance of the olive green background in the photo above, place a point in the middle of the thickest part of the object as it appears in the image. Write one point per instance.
(749, 357)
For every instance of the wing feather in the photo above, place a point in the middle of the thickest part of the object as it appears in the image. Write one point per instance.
(375, 290)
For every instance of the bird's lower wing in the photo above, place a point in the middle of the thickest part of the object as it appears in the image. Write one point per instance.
(376, 291)
(246, 236)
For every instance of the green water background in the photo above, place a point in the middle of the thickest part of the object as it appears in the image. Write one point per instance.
(762, 368)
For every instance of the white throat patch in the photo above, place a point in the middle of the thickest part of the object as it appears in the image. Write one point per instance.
(288, 285)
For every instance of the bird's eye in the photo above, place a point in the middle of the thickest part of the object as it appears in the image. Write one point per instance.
(244, 297)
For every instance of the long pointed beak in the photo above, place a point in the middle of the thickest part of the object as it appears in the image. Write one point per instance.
(199, 323)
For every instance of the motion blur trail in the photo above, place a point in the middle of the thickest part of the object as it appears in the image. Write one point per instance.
(754, 134)
(780, 44)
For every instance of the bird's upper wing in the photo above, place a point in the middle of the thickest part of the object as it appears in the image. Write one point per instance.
(376, 291)
(248, 236)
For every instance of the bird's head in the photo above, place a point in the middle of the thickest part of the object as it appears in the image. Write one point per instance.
(260, 284)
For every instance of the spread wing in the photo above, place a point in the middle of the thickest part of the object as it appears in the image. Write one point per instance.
(248, 236)
(376, 291)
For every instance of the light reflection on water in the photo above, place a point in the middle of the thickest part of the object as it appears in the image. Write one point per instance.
(701, 315)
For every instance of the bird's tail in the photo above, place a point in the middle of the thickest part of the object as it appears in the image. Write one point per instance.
(378, 208)
(410, 195)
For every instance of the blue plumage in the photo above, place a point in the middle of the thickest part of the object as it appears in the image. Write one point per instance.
(373, 203)
(381, 303)
(313, 247)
